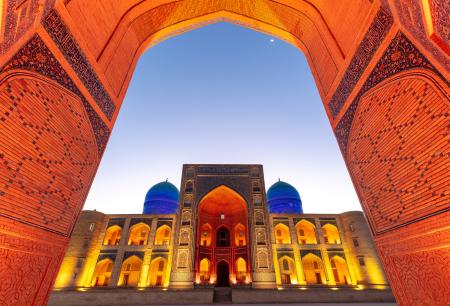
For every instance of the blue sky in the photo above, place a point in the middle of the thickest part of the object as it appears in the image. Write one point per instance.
(222, 94)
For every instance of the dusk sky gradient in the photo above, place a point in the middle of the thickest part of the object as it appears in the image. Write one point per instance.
(222, 94)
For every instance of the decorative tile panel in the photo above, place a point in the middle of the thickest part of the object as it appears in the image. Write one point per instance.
(36, 57)
(363, 55)
(74, 55)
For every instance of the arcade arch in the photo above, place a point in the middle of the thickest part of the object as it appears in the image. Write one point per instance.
(112, 235)
(331, 234)
(139, 234)
(130, 272)
(102, 273)
(313, 269)
(157, 273)
(282, 235)
(288, 272)
(340, 271)
(306, 232)
(162, 235)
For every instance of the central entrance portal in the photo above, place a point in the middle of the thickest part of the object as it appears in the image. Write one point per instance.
(223, 274)
(222, 239)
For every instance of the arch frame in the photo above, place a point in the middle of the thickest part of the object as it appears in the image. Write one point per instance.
(436, 221)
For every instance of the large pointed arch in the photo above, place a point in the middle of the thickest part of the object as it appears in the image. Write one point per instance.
(102, 40)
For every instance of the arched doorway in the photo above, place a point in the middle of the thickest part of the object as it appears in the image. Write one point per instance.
(313, 269)
(340, 271)
(102, 273)
(157, 273)
(223, 274)
(222, 235)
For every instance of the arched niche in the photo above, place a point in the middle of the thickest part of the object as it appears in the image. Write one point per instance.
(340, 271)
(331, 234)
(162, 235)
(306, 232)
(313, 269)
(241, 270)
(205, 271)
(130, 272)
(288, 272)
(205, 235)
(102, 273)
(222, 224)
(138, 234)
(157, 272)
(112, 235)
(282, 235)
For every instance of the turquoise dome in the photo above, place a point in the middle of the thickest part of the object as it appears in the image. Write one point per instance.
(283, 198)
(162, 198)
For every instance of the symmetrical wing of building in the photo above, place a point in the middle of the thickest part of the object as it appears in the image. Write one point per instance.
(222, 229)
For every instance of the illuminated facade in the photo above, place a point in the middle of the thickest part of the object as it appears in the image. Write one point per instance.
(225, 231)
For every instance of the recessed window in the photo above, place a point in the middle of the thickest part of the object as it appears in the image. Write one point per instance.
(79, 262)
(256, 187)
(361, 260)
(189, 187)
(355, 242)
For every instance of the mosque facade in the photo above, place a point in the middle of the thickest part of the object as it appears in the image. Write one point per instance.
(222, 229)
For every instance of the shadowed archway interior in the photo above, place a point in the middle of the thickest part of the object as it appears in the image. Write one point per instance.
(222, 235)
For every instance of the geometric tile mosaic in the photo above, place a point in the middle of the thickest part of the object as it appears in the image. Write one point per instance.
(398, 151)
(48, 153)
(73, 54)
(34, 56)
(400, 55)
(376, 33)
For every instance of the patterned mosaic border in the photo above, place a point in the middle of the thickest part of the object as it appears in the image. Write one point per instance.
(400, 55)
(35, 56)
(73, 54)
(411, 16)
(364, 54)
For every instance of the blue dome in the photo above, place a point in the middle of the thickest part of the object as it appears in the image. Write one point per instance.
(283, 198)
(162, 198)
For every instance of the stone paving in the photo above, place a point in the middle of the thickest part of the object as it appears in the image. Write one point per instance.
(303, 304)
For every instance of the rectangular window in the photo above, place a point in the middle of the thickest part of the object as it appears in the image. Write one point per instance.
(91, 227)
(355, 242)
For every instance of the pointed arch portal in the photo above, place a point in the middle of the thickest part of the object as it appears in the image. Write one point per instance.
(71, 62)
(224, 213)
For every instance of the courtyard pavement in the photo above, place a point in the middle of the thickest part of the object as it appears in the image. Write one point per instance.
(301, 304)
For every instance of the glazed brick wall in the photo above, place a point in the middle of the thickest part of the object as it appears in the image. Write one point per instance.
(48, 153)
(398, 151)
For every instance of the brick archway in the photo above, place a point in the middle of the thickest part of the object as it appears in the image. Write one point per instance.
(358, 52)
